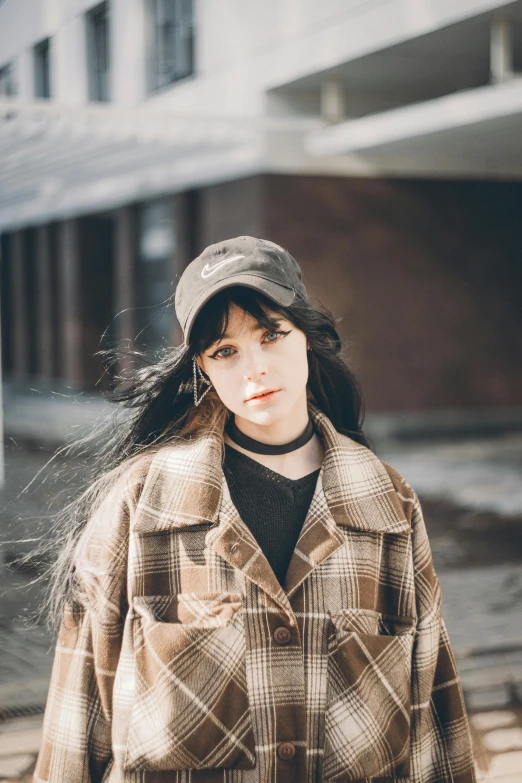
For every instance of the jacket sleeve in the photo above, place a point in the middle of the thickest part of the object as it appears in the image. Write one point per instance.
(76, 739)
(441, 748)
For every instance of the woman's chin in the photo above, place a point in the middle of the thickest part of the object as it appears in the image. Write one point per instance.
(266, 416)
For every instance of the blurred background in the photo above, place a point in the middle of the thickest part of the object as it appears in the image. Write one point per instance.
(380, 141)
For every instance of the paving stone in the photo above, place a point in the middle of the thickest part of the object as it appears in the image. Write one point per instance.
(23, 692)
(483, 678)
(506, 764)
(20, 737)
(481, 774)
(23, 723)
(487, 721)
(482, 608)
(14, 766)
(501, 740)
(495, 699)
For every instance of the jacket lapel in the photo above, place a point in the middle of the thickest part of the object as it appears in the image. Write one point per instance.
(353, 490)
(183, 486)
(186, 486)
(319, 538)
(234, 542)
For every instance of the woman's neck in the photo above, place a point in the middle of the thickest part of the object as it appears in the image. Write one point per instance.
(294, 464)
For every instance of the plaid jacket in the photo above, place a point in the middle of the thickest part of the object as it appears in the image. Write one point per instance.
(189, 662)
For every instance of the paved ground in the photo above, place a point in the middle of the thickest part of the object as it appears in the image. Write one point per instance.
(479, 473)
(471, 495)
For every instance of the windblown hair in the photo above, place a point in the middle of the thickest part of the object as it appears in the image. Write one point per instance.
(156, 406)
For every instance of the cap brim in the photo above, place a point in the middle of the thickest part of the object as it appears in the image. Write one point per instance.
(278, 293)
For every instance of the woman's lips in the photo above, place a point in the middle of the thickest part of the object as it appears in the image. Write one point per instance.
(263, 398)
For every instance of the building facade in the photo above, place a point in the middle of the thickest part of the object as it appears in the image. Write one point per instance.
(378, 141)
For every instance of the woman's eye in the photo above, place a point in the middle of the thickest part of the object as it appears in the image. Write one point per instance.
(220, 355)
(277, 334)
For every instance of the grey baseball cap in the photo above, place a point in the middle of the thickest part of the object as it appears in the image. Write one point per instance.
(248, 261)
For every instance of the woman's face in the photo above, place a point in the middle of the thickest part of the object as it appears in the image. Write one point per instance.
(249, 360)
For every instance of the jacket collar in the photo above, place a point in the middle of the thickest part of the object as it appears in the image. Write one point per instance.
(186, 486)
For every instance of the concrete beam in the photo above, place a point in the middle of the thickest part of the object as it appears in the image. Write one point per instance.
(458, 110)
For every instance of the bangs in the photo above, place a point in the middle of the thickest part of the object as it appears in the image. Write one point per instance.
(212, 321)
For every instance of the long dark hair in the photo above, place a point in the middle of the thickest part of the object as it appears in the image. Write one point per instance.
(156, 406)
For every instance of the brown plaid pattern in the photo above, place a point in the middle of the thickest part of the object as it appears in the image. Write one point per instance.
(174, 670)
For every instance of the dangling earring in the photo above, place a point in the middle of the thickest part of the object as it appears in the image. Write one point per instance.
(197, 370)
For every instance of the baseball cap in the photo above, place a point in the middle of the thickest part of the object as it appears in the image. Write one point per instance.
(248, 261)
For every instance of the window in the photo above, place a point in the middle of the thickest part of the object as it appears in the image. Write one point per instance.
(171, 42)
(7, 81)
(97, 20)
(42, 69)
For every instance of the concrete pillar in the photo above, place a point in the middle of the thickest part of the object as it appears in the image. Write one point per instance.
(127, 29)
(44, 302)
(501, 50)
(125, 274)
(2, 456)
(72, 353)
(332, 100)
(25, 75)
(20, 306)
(69, 56)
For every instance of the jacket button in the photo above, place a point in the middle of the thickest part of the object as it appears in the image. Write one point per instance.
(282, 635)
(286, 750)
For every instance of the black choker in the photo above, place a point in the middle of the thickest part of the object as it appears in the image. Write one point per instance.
(250, 444)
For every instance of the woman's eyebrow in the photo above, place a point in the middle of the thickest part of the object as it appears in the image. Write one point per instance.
(254, 328)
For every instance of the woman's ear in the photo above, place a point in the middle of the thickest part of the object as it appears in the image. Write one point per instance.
(201, 366)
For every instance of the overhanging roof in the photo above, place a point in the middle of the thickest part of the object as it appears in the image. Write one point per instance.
(475, 132)
(59, 161)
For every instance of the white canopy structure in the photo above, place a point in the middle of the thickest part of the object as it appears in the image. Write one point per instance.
(57, 161)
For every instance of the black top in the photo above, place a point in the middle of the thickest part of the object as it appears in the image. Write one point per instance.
(272, 506)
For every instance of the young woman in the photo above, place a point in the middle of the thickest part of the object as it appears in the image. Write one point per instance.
(251, 598)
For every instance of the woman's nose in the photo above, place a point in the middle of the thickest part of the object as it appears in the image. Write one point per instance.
(255, 367)
(254, 374)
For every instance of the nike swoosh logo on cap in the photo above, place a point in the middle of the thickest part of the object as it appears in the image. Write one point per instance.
(209, 270)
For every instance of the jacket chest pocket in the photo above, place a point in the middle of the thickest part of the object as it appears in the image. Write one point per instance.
(367, 718)
(191, 706)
